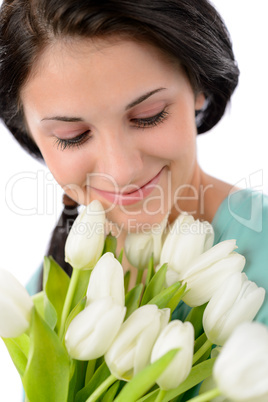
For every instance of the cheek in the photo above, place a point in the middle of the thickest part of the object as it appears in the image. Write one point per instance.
(176, 141)
(68, 167)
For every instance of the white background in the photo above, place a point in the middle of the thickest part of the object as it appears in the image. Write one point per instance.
(235, 151)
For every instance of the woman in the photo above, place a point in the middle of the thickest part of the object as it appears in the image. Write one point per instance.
(111, 96)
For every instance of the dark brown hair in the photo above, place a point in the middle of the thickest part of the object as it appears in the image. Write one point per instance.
(190, 31)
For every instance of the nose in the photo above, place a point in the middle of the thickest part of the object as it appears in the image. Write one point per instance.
(120, 162)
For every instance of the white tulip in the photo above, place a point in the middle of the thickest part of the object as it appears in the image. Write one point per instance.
(139, 247)
(187, 239)
(236, 301)
(131, 350)
(241, 369)
(107, 280)
(171, 276)
(209, 270)
(85, 241)
(92, 331)
(175, 335)
(15, 306)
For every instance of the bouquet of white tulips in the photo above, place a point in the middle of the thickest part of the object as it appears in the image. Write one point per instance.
(90, 338)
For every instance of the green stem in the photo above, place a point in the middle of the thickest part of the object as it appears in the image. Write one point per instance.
(206, 396)
(103, 387)
(161, 395)
(202, 350)
(139, 276)
(68, 300)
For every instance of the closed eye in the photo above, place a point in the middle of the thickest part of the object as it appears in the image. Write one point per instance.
(152, 121)
(72, 142)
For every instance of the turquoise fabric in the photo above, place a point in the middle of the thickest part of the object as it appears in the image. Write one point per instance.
(33, 284)
(244, 216)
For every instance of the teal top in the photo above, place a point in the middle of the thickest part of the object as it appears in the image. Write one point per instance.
(243, 216)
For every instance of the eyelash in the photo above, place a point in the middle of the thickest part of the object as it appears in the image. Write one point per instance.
(73, 142)
(152, 121)
(143, 123)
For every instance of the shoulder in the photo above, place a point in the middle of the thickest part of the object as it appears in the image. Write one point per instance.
(244, 212)
(243, 216)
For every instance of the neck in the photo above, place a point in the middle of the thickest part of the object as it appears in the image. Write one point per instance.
(193, 196)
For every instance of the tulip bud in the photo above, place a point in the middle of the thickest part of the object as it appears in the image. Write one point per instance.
(171, 276)
(85, 241)
(187, 239)
(241, 369)
(175, 335)
(130, 352)
(205, 275)
(92, 331)
(237, 300)
(139, 247)
(107, 280)
(15, 306)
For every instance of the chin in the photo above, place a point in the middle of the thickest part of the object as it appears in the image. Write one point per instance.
(135, 221)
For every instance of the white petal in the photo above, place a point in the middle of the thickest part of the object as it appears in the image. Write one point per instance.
(92, 331)
(203, 284)
(216, 253)
(241, 369)
(15, 306)
(107, 280)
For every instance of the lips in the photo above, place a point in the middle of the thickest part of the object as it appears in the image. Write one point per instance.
(131, 197)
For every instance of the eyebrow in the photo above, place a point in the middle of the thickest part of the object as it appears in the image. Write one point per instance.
(136, 102)
(142, 98)
(63, 118)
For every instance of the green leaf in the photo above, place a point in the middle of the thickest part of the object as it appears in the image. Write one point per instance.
(51, 317)
(46, 377)
(195, 316)
(199, 342)
(99, 376)
(120, 257)
(90, 370)
(78, 379)
(110, 244)
(75, 311)
(38, 301)
(150, 271)
(55, 285)
(155, 285)
(197, 374)
(132, 299)
(126, 281)
(172, 304)
(81, 288)
(151, 397)
(111, 392)
(18, 349)
(165, 296)
(145, 379)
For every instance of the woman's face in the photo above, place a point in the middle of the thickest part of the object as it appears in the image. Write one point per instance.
(115, 122)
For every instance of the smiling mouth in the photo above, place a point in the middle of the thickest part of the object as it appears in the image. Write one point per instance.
(133, 196)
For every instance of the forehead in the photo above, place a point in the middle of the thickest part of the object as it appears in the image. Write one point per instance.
(104, 69)
(85, 50)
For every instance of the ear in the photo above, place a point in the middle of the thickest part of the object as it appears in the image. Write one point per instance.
(199, 101)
